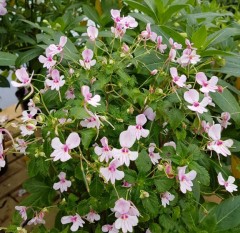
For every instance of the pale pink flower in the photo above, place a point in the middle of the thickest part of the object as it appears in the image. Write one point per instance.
(205, 126)
(174, 45)
(38, 219)
(118, 31)
(224, 119)
(31, 105)
(109, 228)
(61, 151)
(28, 129)
(153, 156)
(70, 94)
(129, 22)
(185, 179)
(63, 184)
(92, 216)
(192, 97)
(76, 221)
(21, 145)
(124, 155)
(104, 152)
(148, 112)
(126, 215)
(189, 57)
(47, 61)
(179, 80)
(166, 198)
(2, 159)
(22, 211)
(23, 76)
(189, 44)
(125, 184)
(56, 49)
(87, 61)
(3, 10)
(148, 34)
(28, 115)
(160, 46)
(111, 172)
(172, 55)
(218, 145)
(57, 81)
(228, 184)
(138, 129)
(207, 85)
(92, 33)
(171, 143)
(116, 15)
(94, 101)
(91, 122)
(210, 100)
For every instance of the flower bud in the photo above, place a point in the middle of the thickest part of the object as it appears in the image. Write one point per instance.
(40, 118)
(21, 230)
(159, 91)
(160, 167)
(143, 194)
(130, 110)
(154, 72)
(31, 126)
(111, 61)
(125, 48)
(36, 99)
(71, 71)
(42, 154)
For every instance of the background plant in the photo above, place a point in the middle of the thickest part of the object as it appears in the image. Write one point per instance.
(125, 80)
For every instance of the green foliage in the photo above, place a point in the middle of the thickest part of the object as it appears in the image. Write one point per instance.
(128, 81)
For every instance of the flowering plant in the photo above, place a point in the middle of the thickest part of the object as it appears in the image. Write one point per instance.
(126, 136)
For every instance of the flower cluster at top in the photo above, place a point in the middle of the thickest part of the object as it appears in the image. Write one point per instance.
(113, 160)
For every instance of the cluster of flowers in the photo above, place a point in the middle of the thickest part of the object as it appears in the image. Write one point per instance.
(3, 10)
(125, 211)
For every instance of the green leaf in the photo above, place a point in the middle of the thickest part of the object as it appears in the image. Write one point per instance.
(167, 222)
(220, 36)
(83, 207)
(87, 136)
(151, 204)
(143, 162)
(230, 67)
(228, 214)
(155, 228)
(163, 184)
(130, 176)
(92, 14)
(28, 56)
(38, 166)
(96, 188)
(199, 37)
(4, 82)
(7, 59)
(202, 173)
(139, 6)
(78, 113)
(172, 9)
(41, 193)
(176, 117)
(143, 18)
(227, 102)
